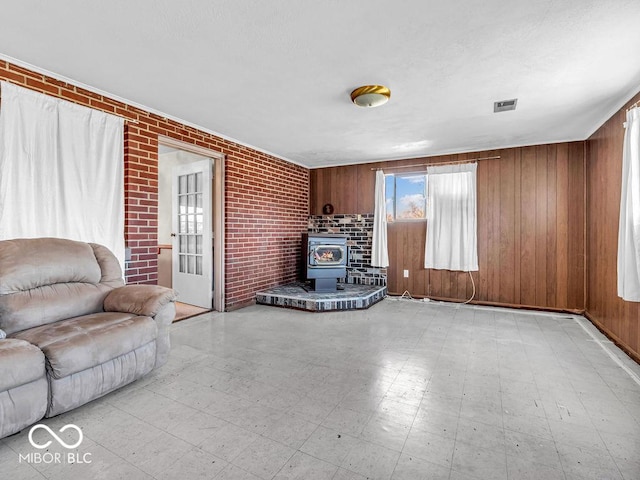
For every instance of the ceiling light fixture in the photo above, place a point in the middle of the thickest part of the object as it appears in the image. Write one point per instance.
(370, 95)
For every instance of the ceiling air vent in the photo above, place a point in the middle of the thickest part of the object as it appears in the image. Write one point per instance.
(504, 105)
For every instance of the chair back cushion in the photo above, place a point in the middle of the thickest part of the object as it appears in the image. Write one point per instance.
(43, 280)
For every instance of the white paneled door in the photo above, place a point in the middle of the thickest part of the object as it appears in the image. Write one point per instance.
(192, 234)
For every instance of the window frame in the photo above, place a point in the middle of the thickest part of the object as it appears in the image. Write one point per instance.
(395, 176)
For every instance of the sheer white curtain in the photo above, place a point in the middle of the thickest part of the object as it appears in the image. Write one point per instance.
(629, 230)
(379, 253)
(452, 238)
(61, 170)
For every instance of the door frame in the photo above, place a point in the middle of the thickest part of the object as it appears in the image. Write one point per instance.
(218, 214)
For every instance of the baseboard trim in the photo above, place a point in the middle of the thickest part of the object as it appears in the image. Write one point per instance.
(613, 337)
(499, 304)
(239, 305)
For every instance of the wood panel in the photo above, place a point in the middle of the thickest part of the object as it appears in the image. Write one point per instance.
(506, 227)
(527, 210)
(531, 241)
(618, 319)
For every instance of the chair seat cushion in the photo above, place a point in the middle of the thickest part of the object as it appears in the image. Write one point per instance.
(20, 363)
(76, 344)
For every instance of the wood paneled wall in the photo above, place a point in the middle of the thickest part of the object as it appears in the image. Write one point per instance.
(620, 320)
(531, 227)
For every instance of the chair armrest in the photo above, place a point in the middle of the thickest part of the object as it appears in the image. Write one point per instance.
(145, 300)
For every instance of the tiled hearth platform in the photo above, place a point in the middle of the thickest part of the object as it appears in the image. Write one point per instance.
(294, 295)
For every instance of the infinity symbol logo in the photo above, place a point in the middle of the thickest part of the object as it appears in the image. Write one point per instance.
(60, 441)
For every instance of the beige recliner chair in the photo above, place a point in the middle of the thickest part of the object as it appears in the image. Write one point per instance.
(74, 331)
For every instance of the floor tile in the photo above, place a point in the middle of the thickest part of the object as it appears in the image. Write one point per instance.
(193, 464)
(228, 441)
(257, 418)
(532, 425)
(414, 468)
(305, 467)
(532, 449)
(343, 474)
(345, 420)
(482, 412)
(314, 410)
(329, 445)
(623, 447)
(429, 446)
(479, 462)
(157, 456)
(519, 468)
(264, 457)
(480, 434)
(291, 430)
(386, 433)
(231, 472)
(194, 427)
(585, 463)
(372, 461)
(565, 433)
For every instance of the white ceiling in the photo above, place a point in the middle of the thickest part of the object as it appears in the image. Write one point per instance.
(276, 75)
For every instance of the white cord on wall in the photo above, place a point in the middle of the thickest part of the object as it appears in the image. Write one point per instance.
(474, 289)
(407, 296)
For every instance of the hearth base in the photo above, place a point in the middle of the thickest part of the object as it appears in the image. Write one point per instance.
(294, 295)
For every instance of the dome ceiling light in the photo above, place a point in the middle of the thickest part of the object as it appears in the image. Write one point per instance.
(370, 95)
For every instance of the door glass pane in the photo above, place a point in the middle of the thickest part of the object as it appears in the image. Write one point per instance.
(191, 210)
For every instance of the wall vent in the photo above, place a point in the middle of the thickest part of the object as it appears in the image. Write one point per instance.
(504, 105)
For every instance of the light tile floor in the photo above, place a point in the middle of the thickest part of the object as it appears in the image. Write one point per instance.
(403, 391)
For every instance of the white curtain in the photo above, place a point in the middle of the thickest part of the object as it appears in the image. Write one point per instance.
(379, 253)
(61, 170)
(629, 231)
(452, 238)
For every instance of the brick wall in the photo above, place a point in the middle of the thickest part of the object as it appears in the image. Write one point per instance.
(266, 199)
(264, 225)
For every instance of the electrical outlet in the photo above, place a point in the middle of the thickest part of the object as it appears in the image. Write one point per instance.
(406, 274)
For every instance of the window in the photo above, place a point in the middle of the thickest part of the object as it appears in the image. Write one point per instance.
(406, 197)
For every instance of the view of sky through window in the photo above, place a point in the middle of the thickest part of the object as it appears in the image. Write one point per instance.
(406, 196)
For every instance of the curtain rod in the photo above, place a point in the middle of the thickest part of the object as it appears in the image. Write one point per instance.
(453, 162)
(126, 119)
(633, 106)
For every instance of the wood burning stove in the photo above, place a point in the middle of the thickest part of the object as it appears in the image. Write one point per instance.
(324, 260)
